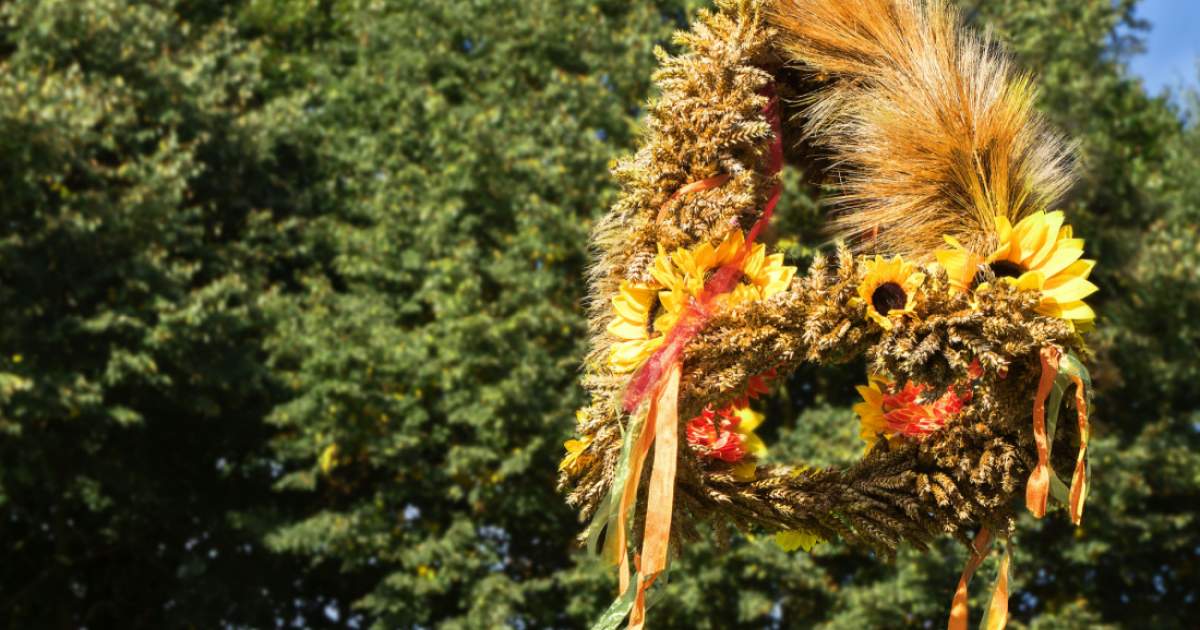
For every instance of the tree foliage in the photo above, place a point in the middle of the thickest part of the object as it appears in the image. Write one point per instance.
(292, 323)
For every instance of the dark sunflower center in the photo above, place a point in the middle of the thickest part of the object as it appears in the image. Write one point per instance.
(712, 272)
(655, 309)
(999, 269)
(887, 297)
(1006, 269)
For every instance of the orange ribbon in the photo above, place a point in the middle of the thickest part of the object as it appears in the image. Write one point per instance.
(629, 496)
(694, 187)
(997, 613)
(1038, 489)
(661, 498)
(959, 612)
(1079, 480)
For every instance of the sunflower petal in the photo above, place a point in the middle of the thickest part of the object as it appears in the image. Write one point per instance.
(1029, 235)
(1075, 311)
(754, 445)
(1081, 268)
(626, 329)
(1054, 221)
(629, 306)
(1031, 281)
(748, 419)
(1068, 289)
(1064, 256)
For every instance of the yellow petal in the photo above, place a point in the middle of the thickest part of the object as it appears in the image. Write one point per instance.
(1003, 228)
(1029, 235)
(1054, 222)
(629, 309)
(869, 393)
(664, 272)
(1031, 281)
(1081, 268)
(728, 248)
(748, 419)
(628, 355)
(1079, 311)
(754, 262)
(959, 269)
(793, 540)
(754, 445)
(744, 472)
(1062, 258)
(1071, 289)
(625, 329)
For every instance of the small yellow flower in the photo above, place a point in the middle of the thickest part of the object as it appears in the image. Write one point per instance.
(328, 460)
(1039, 254)
(889, 289)
(745, 472)
(748, 421)
(870, 410)
(575, 457)
(797, 539)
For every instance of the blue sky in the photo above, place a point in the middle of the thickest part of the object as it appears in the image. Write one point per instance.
(1173, 44)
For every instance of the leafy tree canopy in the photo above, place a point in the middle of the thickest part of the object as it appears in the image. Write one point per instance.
(292, 323)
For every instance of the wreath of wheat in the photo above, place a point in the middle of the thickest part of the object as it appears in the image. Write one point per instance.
(963, 291)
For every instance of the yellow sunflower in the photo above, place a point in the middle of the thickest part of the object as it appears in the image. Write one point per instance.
(889, 289)
(762, 276)
(640, 324)
(644, 313)
(1040, 254)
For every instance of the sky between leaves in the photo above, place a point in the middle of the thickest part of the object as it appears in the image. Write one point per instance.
(1172, 45)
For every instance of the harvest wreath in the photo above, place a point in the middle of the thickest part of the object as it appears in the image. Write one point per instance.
(965, 295)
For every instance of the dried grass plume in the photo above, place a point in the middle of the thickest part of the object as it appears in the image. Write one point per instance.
(929, 128)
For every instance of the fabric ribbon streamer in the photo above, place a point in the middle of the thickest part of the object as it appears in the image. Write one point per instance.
(996, 617)
(959, 612)
(1038, 488)
(1074, 369)
(661, 498)
(1059, 372)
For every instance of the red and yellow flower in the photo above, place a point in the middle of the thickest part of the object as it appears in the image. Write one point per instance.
(727, 435)
(894, 412)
